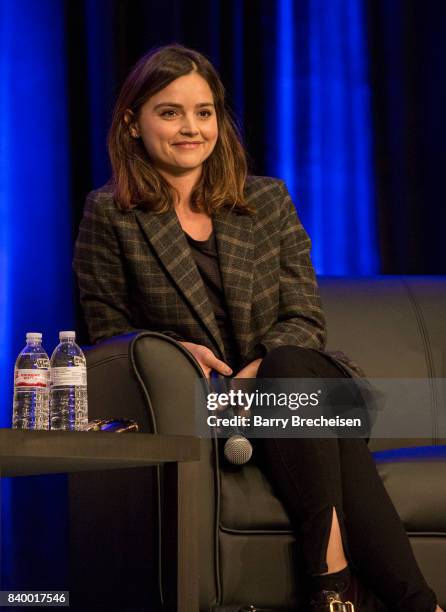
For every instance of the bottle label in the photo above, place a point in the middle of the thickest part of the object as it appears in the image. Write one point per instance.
(31, 378)
(43, 362)
(74, 376)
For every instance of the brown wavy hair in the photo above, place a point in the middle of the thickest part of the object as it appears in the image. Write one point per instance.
(136, 182)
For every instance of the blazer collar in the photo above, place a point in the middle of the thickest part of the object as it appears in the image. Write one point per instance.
(164, 233)
(233, 233)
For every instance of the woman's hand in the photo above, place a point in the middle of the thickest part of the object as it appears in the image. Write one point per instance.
(250, 370)
(207, 360)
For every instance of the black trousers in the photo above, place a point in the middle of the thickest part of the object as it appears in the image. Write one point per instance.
(311, 476)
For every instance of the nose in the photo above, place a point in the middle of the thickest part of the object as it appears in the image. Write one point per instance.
(189, 126)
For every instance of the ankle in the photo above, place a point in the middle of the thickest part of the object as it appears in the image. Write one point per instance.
(338, 581)
(334, 568)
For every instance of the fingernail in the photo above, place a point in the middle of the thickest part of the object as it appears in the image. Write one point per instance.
(228, 370)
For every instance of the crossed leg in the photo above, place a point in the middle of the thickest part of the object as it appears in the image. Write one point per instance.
(337, 501)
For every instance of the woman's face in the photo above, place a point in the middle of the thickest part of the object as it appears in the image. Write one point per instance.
(178, 125)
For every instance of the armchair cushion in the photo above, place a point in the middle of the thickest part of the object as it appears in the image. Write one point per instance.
(248, 501)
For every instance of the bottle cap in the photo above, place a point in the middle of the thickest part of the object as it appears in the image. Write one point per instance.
(33, 337)
(67, 335)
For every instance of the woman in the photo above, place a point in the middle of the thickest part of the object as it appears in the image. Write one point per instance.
(183, 242)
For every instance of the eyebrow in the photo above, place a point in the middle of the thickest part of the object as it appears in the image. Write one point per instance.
(175, 105)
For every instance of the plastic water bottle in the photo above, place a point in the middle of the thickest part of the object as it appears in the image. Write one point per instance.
(31, 386)
(68, 395)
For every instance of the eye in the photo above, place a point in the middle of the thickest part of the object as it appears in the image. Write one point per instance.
(205, 113)
(168, 113)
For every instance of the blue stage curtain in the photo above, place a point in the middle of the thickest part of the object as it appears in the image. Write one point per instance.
(36, 246)
(320, 115)
(35, 255)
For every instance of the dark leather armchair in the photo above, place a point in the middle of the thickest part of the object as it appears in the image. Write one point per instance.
(391, 326)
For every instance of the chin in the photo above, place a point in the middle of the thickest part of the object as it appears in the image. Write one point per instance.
(192, 165)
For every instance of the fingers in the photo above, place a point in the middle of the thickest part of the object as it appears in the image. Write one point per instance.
(250, 370)
(217, 364)
(207, 360)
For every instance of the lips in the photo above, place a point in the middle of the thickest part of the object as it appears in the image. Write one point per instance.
(187, 145)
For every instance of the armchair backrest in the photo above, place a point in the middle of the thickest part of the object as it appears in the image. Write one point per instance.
(392, 326)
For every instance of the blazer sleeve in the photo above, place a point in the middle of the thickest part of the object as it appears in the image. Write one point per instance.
(99, 266)
(301, 321)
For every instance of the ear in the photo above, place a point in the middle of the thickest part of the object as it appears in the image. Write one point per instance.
(130, 121)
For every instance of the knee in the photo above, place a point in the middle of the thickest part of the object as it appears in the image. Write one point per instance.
(288, 361)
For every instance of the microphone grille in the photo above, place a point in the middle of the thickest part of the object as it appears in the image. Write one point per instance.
(238, 450)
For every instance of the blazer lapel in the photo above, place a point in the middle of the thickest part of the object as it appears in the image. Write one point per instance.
(164, 232)
(233, 233)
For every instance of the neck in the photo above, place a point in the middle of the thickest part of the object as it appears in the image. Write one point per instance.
(183, 184)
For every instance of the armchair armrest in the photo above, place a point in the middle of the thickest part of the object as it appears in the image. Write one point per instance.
(145, 376)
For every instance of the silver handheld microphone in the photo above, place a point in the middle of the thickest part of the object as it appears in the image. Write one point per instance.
(237, 449)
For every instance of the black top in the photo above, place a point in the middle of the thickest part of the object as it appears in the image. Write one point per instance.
(205, 255)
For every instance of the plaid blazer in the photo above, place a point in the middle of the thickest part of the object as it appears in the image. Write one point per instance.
(135, 271)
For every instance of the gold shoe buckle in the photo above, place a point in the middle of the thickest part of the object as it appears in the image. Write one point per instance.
(341, 606)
